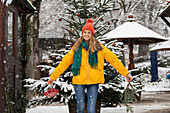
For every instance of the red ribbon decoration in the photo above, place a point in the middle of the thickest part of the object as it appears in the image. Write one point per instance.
(51, 92)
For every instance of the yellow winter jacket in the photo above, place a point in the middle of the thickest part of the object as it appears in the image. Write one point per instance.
(89, 75)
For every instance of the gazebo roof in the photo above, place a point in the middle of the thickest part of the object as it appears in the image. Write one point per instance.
(134, 33)
(165, 12)
(162, 46)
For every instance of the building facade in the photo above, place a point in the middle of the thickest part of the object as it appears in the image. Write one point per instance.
(12, 40)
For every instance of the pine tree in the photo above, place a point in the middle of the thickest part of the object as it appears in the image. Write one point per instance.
(51, 59)
(78, 11)
(111, 91)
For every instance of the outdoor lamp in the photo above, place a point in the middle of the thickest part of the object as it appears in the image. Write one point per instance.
(114, 15)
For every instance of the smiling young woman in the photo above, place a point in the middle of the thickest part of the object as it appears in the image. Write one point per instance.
(87, 58)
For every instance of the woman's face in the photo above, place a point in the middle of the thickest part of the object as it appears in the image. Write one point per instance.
(87, 34)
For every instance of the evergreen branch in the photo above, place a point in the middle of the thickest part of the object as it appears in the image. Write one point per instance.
(76, 31)
(135, 4)
(128, 96)
(80, 21)
(129, 6)
(100, 29)
(71, 23)
(9, 103)
(69, 31)
(98, 20)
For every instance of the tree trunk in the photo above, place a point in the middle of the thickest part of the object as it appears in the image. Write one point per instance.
(36, 53)
(131, 57)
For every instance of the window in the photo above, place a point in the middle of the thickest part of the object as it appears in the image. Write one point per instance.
(19, 37)
(10, 33)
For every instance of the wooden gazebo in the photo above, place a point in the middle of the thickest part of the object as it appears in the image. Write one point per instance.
(133, 33)
(12, 16)
(165, 46)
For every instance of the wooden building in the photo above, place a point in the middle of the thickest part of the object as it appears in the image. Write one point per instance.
(51, 43)
(12, 40)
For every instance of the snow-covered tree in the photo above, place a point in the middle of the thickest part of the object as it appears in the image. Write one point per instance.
(78, 11)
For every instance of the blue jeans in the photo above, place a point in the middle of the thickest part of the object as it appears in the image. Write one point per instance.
(92, 91)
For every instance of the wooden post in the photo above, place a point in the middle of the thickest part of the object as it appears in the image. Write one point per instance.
(131, 56)
(2, 56)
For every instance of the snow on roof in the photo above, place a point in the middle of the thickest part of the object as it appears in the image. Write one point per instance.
(7, 2)
(162, 46)
(132, 30)
(10, 1)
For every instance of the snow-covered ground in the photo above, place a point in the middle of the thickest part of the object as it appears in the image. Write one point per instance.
(141, 108)
(152, 99)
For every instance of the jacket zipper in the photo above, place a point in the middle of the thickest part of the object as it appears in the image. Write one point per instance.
(88, 66)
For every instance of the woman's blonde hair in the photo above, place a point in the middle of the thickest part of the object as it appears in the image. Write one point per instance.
(94, 44)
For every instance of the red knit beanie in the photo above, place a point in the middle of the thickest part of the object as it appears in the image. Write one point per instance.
(88, 26)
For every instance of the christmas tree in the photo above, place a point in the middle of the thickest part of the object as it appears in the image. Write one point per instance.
(78, 11)
(75, 16)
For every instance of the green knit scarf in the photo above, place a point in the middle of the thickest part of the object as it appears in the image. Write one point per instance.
(92, 59)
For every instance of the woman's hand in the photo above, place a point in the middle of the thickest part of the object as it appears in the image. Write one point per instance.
(50, 81)
(128, 78)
